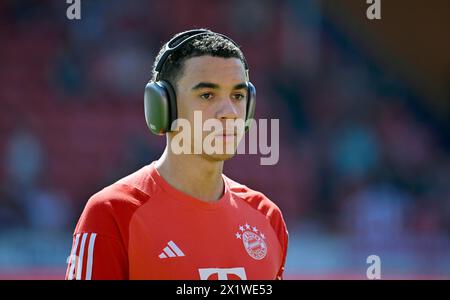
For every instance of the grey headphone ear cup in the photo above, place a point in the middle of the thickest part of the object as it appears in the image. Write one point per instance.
(172, 97)
(251, 105)
(159, 106)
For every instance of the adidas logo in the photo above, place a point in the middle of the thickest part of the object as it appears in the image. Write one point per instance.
(171, 250)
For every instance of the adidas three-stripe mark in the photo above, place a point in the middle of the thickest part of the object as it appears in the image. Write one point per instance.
(171, 250)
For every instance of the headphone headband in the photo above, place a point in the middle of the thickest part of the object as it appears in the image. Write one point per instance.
(178, 41)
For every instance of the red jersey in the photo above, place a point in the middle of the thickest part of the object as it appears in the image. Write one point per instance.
(143, 228)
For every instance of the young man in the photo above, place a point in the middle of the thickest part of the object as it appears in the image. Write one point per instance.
(180, 217)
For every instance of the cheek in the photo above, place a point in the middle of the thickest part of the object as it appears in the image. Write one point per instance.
(182, 110)
(241, 109)
(186, 109)
(189, 112)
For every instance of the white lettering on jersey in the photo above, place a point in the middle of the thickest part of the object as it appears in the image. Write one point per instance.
(222, 273)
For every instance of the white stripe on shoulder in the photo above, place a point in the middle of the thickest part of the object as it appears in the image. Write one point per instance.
(90, 256)
(72, 257)
(80, 257)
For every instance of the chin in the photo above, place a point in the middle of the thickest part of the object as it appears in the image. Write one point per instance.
(218, 157)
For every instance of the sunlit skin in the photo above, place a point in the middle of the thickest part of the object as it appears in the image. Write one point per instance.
(216, 87)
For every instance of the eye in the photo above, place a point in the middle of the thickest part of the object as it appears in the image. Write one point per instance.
(238, 96)
(206, 96)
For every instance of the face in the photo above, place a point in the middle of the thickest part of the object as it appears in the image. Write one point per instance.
(216, 87)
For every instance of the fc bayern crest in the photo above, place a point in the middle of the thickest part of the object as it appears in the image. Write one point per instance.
(253, 241)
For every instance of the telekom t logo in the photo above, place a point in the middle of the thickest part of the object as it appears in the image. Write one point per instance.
(222, 273)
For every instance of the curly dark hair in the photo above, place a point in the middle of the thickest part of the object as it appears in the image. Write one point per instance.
(212, 44)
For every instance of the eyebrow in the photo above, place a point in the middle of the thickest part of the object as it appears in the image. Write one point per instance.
(210, 85)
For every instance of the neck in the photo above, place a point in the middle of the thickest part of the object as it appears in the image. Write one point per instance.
(192, 174)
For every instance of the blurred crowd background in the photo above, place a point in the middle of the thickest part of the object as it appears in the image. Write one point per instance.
(364, 116)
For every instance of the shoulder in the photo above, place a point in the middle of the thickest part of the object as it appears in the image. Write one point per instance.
(127, 193)
(254, 198)
(259, 202)
(115, 204)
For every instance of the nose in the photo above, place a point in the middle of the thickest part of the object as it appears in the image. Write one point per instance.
(227, 110)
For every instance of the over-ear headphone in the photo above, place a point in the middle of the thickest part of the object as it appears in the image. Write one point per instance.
(160, 103)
